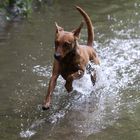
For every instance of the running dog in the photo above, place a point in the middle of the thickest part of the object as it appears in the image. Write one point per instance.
(70, 58)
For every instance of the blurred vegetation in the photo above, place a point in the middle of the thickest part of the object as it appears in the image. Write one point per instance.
(14, 8)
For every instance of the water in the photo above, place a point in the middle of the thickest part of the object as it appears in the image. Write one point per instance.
(108, 111)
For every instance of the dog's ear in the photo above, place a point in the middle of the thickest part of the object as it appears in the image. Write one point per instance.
(76, 32)
(58, 28)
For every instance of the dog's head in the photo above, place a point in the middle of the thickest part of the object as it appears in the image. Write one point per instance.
(65, 41)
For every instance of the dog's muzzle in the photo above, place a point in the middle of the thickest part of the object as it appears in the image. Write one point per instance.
(57, 56)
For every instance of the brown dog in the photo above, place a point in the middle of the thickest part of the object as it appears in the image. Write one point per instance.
(71, 58)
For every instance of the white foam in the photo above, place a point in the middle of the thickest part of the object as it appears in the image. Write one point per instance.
(27, 133)
(119, 68)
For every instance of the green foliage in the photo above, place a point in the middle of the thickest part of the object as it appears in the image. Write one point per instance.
(17, 7)
(25, 6)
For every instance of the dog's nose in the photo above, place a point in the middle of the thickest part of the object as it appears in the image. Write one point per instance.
(57, 56)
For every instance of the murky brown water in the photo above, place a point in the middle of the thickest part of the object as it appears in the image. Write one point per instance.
(108, 111)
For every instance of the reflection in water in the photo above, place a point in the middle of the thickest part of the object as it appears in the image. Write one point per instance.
(109, 110)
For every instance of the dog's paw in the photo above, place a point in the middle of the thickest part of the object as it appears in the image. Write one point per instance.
(46, 106)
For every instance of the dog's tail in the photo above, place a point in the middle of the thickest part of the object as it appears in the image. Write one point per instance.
(89, 26)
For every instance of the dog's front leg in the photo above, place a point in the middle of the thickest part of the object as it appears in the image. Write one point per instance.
(52, 83)
(71, 77)
(51, 87)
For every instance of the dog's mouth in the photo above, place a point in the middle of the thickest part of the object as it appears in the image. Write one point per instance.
(57, 56)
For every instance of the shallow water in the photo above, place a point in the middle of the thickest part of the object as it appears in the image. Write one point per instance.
(108, 111)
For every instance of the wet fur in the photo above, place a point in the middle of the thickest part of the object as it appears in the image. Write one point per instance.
(71, 58)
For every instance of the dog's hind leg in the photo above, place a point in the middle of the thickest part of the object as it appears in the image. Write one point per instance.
(93, 77)
(94, 59)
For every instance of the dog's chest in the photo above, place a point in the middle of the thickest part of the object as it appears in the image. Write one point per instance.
(70, 65)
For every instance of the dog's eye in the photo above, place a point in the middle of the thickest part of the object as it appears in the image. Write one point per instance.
(67, 45)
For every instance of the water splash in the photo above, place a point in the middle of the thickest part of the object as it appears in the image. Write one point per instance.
(27, 133)
(119, 70)
(31, 130)
(99, 106)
